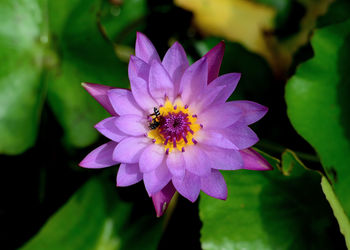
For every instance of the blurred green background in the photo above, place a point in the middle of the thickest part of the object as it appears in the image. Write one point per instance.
(294, 58)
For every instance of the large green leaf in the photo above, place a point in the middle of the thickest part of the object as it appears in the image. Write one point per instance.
(318, 104)
(95, 218)
(53, 46)
(280, 209)
(22, 44)
(84, 57)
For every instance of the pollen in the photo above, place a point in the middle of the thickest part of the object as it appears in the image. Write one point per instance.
(177, 127)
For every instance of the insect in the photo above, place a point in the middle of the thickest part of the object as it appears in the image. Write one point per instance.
(156, 112)
(155, 123)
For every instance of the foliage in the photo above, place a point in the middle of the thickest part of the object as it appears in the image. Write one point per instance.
(294, 58)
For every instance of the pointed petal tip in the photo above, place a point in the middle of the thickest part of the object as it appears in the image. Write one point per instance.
(215, 56)
(192, 199)
(139, 33)
(87, 85)
(222, 44)
(161, 200)
(99, 92)
(81, 164)
(254, 161)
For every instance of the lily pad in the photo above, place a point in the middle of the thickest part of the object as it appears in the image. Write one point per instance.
(269, 210)
(95, 218)
(22, 44)
(318, 104)
(48, 49)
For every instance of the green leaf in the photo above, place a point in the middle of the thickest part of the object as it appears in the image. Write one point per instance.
(22, 43)
(318, 104)
(95, 218)
(85, 57)
(122, 20)
(338, 12)
(50, 47)
(268, 210)
(338, 210)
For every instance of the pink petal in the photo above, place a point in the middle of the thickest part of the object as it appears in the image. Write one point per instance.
(151, 158)
(214, 185)
(214, 57)
(130, 149)
(100, 157)
(194, 80)
(123, 102)
(132, 125)
(128, 174)
(251, 111)
(99, 92)
(108, 128)
(188, 185)
(252, 160)
(144, 49)
(196, 161)
(175, 62)
(228, 82)
(224, 159)
(160, 84)
(175, 162)
(162, 199)
(139, 86)
(157, 179)
(241, 135)
(214, 137)
(220, 116)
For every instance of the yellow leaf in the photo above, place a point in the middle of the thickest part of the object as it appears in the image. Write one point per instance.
(252, 25)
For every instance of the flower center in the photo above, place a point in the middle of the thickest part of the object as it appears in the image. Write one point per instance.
(175, 127)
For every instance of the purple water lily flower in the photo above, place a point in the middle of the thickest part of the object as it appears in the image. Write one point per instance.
(174, 130)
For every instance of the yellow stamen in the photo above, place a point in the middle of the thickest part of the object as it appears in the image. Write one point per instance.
(164, 111)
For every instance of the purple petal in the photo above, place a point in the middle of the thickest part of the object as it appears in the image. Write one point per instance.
(251, 111)
(206, 98)
(144, 49)
(196, 161)
(128, 174)
(214, 57)
(175, 162)
(252, 160)
(156, 179)
(130, 149)
(175, 62)
(224, 159)
(214, 137)
(162, 199)
(188, 186)
(151, 158)
(132, 125)
(214, 185)
(100, 157)
(220, 116)
(139, 86)
(138, 68)
(99, 92)
(123, 102)
(241, 135)
(194, 80)
(160, 84)
(108, 128)
(228, 82)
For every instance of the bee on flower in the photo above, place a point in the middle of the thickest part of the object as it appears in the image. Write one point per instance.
(174, 129)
